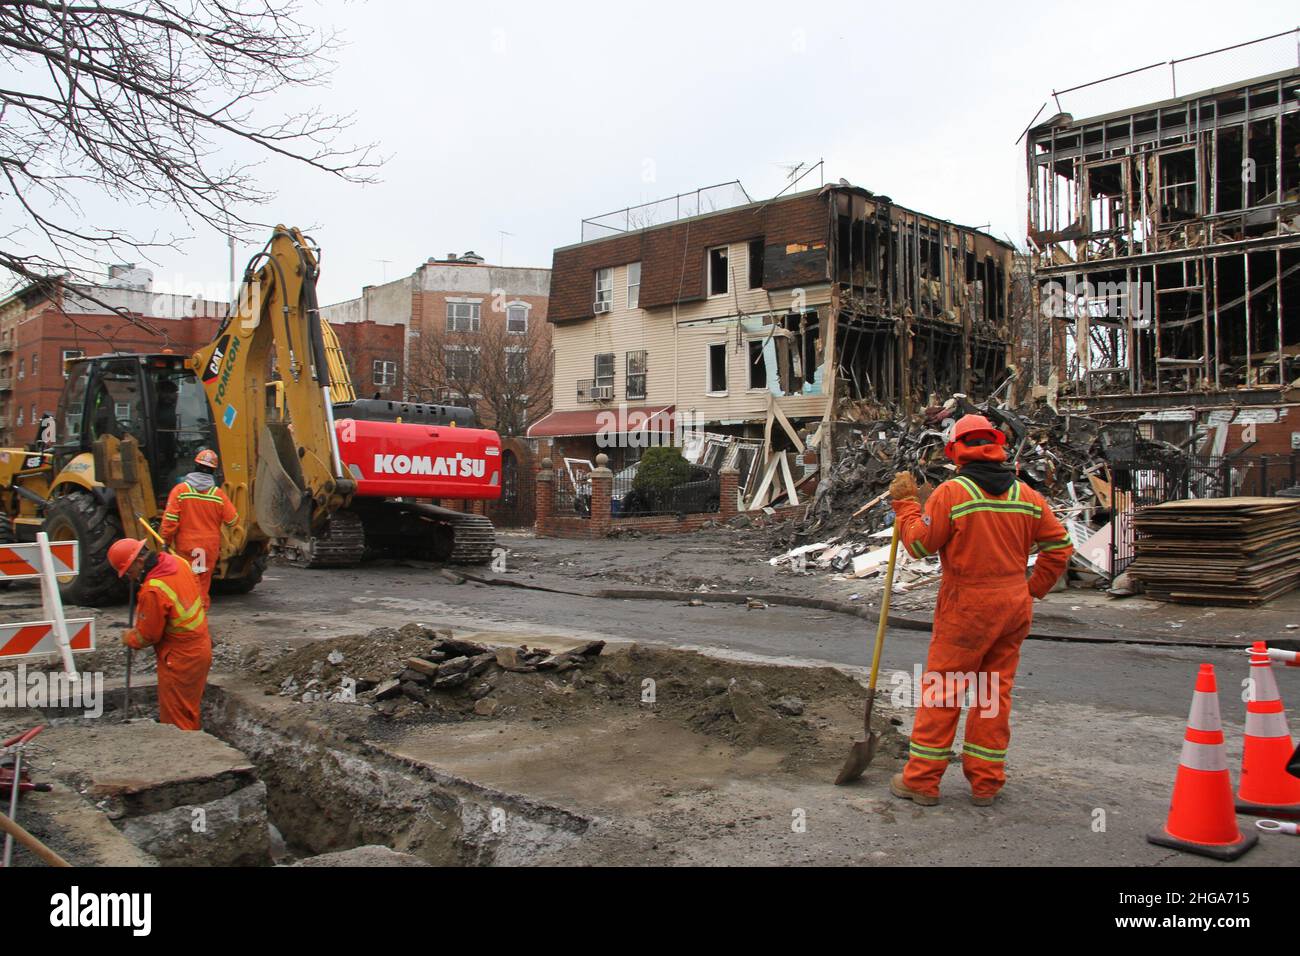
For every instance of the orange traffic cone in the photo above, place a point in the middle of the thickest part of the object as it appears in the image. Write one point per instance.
(1266, 787)
(1200, 813)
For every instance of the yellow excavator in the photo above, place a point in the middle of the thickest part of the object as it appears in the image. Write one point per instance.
(316, 474)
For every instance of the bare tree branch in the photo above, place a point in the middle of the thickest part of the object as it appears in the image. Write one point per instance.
(147, 102)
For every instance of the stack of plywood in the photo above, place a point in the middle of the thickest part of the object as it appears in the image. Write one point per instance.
(1229, 551)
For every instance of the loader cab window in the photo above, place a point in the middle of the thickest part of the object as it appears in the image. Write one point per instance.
(116, 405)
(72, 408)
(182, 422)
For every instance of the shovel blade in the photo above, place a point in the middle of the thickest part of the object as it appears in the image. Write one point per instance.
(859, 758)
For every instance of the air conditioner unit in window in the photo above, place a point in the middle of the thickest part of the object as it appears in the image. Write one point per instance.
(602, 393)
(599, 307)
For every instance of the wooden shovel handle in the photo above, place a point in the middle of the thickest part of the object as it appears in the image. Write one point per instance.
(880, 627)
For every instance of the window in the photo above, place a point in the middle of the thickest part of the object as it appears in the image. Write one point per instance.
(19, 422)
(756, 264)
(385, 372)
(634, 285)
(22, 369)
(516, 319)
(516, 366)
(636, 371)
(604, 289)
(68, 355)
(462, 364)
(462, 316)
(757, 366)
(718, 271)
(36, 358)
(718, 369)
(605, 369)
(1179, 196)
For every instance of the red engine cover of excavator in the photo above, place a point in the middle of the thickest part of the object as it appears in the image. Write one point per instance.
(405, 460)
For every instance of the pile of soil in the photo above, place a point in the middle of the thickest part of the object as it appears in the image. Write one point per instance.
(395, 676)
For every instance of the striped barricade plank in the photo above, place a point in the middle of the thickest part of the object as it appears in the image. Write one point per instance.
(21, 561)
(37, 638)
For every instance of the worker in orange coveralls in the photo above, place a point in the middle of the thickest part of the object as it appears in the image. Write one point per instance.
(983, 524)
(168, 615)
(196, 511)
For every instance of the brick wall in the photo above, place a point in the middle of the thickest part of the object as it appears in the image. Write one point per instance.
(364, 343)
(672, 257)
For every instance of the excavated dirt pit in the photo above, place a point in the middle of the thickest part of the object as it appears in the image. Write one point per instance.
(619, 754)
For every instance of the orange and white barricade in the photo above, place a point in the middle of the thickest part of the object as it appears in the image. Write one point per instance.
(53, 634)
(1289, 658)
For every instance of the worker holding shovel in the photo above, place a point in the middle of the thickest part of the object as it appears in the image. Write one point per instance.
(983, 524)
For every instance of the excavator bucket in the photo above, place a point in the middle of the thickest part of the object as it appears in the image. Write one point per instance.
(281, 506)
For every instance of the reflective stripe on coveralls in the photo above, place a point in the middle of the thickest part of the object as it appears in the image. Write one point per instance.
(187, 618)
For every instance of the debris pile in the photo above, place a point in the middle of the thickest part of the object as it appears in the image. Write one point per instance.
(1223, 551)
(845, 528)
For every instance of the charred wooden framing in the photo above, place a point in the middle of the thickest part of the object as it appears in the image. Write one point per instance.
(1166, 246)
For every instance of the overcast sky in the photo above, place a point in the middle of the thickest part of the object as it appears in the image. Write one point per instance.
(526, 117)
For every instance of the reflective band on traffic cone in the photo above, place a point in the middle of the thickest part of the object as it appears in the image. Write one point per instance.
(1201, 819)
(1289, 658)
(1266, 788)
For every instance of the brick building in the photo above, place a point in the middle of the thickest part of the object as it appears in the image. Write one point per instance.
(476, 334)
(41, 327)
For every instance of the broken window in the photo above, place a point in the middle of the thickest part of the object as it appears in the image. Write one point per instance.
(1179, 190)
(1106, 197)
(756, 264)
(718, 271)
(1261, 166)
(1229, 173)
(636, 374)
(757, 366)
(605, 370)
(718, 369)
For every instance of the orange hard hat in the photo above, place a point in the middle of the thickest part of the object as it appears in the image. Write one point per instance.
(207, 458)
(969, 425)
(123, 552)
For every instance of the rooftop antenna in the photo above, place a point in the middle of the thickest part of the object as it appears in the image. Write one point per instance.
(501, 259)
(384, 263)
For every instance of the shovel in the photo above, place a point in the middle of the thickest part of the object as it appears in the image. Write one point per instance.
(862, 752)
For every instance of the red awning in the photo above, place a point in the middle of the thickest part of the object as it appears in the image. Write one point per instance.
(611, 421)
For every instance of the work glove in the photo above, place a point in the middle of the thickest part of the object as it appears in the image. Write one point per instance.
(131, 639)
(903, 486)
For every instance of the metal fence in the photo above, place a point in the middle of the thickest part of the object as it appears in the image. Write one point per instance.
(1138, 483)
(701, 494)
(566, 497)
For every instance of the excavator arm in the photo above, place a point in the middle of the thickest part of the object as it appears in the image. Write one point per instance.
(283, 472)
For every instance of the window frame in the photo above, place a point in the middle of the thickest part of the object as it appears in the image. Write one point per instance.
(67, 357)
(709, 388)
(757, 251)
(379, 372)
(726, 271)
(605, 290)
(630, 376)
(596, 377)
(523, 307)
(474, 319)
(751, 344)
(633, 302)
(476, 365)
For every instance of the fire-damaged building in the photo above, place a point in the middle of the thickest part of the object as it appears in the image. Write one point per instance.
(764, 325)
(1165, 244)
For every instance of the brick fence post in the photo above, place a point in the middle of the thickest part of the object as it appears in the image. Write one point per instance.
(544, 499)
(602, 489)
(728, 506)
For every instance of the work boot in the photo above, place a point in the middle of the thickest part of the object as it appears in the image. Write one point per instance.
(900, 789)
(983, 801)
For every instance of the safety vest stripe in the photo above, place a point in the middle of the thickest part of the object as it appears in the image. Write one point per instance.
(984, 753)
(1015, 491)
(187, 618)
(929, 753)
(200, 496)
(1055, 545)
(917, 550)
(170, 514)
(1204, 756)
(972, 489)
(1006, 507)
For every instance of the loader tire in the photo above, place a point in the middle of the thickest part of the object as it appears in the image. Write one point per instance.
(241, 585)
(79, 515)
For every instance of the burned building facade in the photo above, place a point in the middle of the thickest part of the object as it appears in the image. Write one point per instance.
(1165, 247)
(822, 306)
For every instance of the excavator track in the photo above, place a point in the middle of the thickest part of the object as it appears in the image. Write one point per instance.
(475, 539)
(342, 544)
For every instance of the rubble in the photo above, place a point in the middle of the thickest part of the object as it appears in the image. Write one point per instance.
(846, 526)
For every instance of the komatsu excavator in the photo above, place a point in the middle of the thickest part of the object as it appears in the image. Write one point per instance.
(316, 474)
